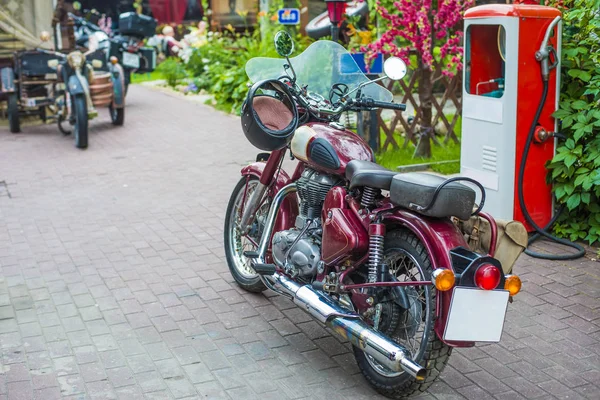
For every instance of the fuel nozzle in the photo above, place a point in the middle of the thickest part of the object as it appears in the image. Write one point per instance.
(543, 54)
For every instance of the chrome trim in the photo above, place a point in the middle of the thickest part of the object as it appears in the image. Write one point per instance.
(270, 222)
(252, 207)
(350, 326)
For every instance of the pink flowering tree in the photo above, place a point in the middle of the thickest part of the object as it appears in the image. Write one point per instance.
(432, 30)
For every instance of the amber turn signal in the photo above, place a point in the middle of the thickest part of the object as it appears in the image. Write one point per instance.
(443, 279)
(114, 60)
(512, 284)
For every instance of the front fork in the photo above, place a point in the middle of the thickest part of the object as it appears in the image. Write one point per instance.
(257, 197)
(251, 207)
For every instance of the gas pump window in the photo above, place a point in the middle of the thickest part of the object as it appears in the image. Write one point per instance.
(485, 56)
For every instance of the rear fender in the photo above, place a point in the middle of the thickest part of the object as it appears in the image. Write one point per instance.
(439, 236)
(289, 207)
(118, 79)
(7, 79)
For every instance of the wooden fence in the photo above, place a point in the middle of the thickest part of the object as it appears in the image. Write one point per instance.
(450, 90)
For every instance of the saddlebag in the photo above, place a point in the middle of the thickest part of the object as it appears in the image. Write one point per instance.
(510, 243)
(133, 24)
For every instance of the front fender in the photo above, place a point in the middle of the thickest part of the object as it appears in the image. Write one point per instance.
(76, 86)
(7, 79)
(118, 79)
(289, 207)
(439, 236)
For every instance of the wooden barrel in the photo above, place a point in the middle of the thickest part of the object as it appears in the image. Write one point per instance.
(101, 89)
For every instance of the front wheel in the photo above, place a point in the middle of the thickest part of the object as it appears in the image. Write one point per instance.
(413, 327)
(81, 122)
(117, 115)
(13, 113)
(236, 243)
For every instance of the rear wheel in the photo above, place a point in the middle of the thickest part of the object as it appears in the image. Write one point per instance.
(413, 327)
(127, 80)
(236, 243)
(13, 113)
(80, 130)
(117, 115)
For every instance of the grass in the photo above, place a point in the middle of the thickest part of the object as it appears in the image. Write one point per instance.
(404, 156)
(146, 77)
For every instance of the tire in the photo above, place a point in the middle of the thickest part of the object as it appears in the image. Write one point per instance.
(402, 245)
(80, 130)
(117, 115)
(13, 113)
(127, 80)
(239, 265)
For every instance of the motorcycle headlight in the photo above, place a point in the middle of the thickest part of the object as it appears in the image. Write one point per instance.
(75, 59)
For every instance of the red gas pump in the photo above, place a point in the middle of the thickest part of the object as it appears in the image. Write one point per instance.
(512, 86)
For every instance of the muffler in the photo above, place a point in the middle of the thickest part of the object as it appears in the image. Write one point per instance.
(350, 327)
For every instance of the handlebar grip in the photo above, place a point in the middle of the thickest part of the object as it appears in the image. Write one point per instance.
(391, 106)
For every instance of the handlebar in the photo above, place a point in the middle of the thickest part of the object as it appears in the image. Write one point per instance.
(326, 108)
(370, 103)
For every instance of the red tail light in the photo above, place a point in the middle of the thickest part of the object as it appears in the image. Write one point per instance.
(487, 277)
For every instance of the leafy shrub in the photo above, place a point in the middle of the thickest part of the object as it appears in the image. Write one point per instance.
(575, 169)
(219, 65)
(172, 70)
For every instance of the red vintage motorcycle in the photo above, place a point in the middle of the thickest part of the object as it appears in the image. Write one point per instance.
(372, 254)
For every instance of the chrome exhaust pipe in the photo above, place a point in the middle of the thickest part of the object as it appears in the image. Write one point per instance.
(350, 327)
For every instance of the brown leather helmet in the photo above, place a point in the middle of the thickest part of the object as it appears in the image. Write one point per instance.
(269, 115)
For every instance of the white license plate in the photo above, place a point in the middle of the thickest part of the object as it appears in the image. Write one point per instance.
(476, 315)
(131, 60)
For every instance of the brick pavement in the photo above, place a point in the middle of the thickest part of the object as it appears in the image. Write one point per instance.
(113, 282)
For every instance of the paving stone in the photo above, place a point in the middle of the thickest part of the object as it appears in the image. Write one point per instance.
(20, 390)
(92, 372)
(120, 376)
(180, 387)
(212, 390)
(101, 390)
(198, 373)
(71, 385)
(150, 381)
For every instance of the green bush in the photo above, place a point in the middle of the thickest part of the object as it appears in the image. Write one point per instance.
(575, 169)
(172, 70)
(218, 66)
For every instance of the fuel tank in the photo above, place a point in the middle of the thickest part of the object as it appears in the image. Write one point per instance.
(327, 148)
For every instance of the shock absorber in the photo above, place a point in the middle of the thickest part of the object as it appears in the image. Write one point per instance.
(376, 236)
(368, 196)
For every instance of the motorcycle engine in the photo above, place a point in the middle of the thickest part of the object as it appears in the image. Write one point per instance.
(298, 250)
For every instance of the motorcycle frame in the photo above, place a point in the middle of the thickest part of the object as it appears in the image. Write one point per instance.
(439, 236)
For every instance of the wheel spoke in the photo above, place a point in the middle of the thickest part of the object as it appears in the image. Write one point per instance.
(412, 330)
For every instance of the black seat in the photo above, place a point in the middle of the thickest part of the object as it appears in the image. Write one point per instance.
(415, 190)
(367, 173)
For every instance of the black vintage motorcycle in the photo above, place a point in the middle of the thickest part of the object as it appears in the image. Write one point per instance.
(62, 88)
(126, 45)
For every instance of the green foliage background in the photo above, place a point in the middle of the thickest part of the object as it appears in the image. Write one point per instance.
(575, 170)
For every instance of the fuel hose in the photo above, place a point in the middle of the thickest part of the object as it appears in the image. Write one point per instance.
(542, 232)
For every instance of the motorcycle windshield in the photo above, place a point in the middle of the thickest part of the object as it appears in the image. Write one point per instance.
(323, 64)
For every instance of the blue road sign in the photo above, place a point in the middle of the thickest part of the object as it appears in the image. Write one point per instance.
(288, 16)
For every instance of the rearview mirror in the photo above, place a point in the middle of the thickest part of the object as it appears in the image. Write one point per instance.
(394, 68)
(284, 45)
